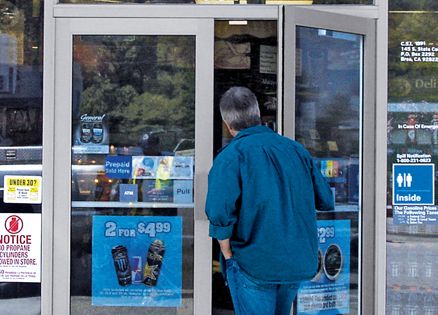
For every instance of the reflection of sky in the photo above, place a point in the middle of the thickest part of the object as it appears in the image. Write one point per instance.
(330, 77)
(413, 107)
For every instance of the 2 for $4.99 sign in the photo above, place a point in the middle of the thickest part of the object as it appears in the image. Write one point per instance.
(137, 261)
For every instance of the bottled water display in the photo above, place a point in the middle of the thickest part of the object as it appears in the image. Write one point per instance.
(412, 277)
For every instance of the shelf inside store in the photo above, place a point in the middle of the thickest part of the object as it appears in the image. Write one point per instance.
(346, 207)
(116, 204)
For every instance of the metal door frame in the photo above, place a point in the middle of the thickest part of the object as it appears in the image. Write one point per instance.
(65, 29)
(52, 201)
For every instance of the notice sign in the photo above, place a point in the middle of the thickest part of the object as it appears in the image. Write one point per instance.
(137, 261)
(268, 59)
(20, 247)
(413, 184)
(22, 189)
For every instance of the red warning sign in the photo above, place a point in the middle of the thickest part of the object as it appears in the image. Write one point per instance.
(20, 247)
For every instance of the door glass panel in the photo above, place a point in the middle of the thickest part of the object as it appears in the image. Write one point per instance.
(133, 152)
(328, 123)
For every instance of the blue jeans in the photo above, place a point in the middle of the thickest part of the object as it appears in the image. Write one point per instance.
(251, 298)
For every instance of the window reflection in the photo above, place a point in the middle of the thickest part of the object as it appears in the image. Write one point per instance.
(328, 89)
(21, 77)
(133, 150)
(133, 96)
(328, 122)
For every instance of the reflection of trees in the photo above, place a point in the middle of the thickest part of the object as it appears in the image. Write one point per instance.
(345, 132)
(339, 109)
(24, 21)
(403, 75)
(140, 83)
(407, 5)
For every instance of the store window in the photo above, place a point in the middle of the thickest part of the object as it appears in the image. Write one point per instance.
(407, 5)
(412, 128)
(21, 59)
(328, 122)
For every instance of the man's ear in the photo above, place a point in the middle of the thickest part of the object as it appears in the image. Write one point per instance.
(231, 130)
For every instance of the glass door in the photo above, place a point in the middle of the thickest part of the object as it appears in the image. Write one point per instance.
(130, 156)
(329, 108)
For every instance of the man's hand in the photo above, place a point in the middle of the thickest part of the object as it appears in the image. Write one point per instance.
(226, 248)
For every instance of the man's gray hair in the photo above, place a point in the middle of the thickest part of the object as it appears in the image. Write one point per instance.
(239, 108)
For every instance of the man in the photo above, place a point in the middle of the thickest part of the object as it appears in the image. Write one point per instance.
(262, 193)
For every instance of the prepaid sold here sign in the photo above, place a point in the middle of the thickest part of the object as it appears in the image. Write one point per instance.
(20, 247)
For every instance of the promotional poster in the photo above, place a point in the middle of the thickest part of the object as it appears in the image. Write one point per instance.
(328, 293)
(20, 247)
(162, 167)
(91, 135)
(137, 261)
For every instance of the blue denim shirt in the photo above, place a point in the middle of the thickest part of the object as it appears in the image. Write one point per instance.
(263, 189)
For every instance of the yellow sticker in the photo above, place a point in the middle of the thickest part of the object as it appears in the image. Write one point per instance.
(22, 189)
(27, 182)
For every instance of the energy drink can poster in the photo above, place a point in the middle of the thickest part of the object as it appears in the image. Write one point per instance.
(91, 135)
(328, 292)
(137, 261)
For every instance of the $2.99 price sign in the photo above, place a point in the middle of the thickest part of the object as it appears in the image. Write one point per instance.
(326, 233)
(328, 293)
(152, 229)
